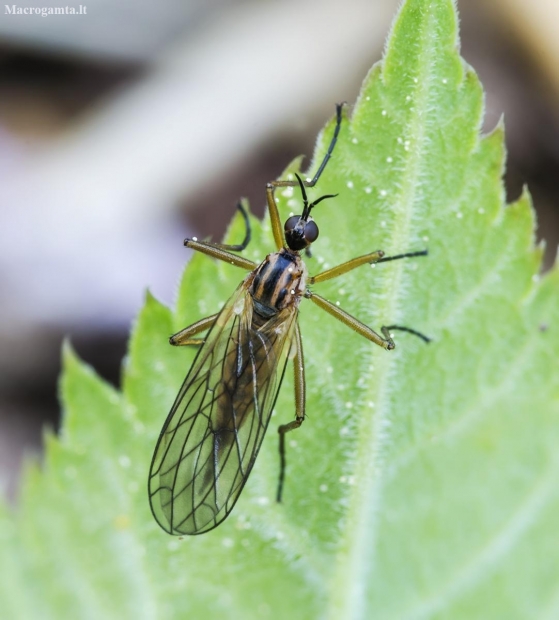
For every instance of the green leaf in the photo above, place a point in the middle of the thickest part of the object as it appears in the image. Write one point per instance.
(424, 482)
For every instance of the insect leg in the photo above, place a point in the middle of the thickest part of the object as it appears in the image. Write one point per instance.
(272, 206)
(330, 150)
(385, 342)
(184, 337)
(351, 321)
(299, 372)
(277, 230)
(216, 251)
(222, 251)
(385, 329)
(385, 259)
(373, 257)
(334, 139)
(339, 270)
(239, 247)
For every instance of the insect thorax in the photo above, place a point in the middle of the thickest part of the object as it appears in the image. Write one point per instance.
(278, 282)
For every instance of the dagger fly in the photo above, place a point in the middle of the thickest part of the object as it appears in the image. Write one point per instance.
(212, 435)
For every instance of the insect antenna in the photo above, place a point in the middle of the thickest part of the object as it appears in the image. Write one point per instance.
(306, 206)
(304, 194)
(313, 204)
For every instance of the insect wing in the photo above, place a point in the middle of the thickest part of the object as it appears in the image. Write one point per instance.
(212, 435)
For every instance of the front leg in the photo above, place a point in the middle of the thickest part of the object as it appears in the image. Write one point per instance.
(223, 251)
(215, 250)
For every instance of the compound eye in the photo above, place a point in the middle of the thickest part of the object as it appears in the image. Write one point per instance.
(291, 223)
(311, 232)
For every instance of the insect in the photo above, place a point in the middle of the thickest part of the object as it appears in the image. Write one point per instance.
(212, 435)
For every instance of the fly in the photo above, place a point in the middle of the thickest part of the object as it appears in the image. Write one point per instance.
(212, 435)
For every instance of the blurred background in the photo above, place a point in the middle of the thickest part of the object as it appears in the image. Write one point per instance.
(128, 127)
